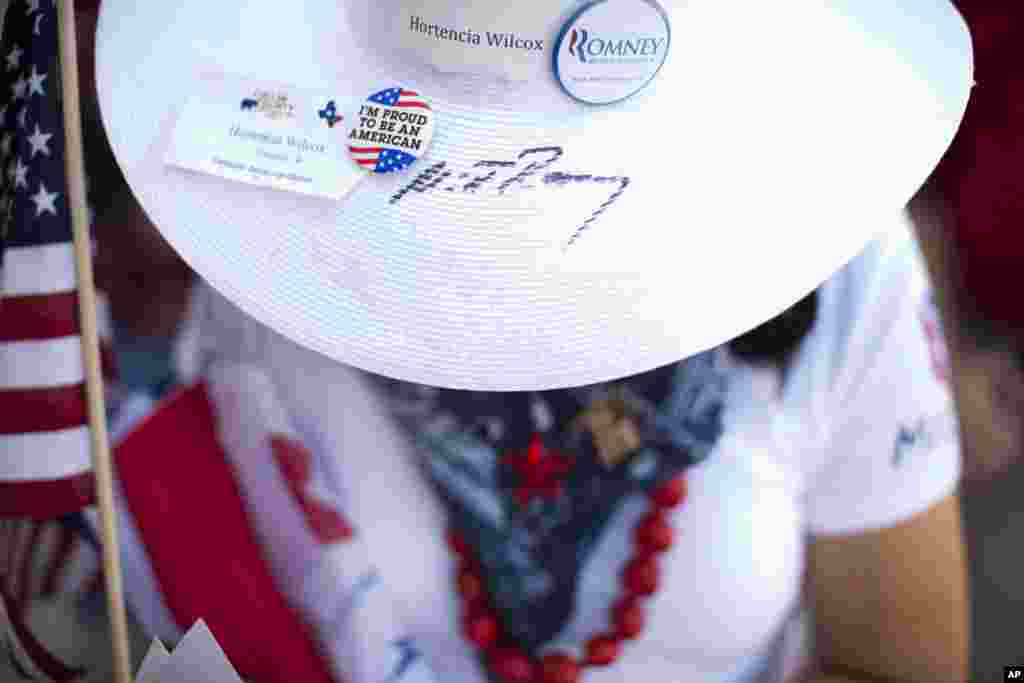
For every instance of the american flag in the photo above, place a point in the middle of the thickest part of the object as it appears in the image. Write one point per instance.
(45, 468)
(381, 159)
(44, 438)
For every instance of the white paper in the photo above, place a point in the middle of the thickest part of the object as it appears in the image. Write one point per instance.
(273, 136)
(197, 657)
(153, 663)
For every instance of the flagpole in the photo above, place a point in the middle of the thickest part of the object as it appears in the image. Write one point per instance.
(102, 466)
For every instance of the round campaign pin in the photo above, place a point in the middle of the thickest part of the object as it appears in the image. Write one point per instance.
(392, 129)
(598, 61)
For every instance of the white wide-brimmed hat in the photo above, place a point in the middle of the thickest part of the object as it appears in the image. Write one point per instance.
(610, 186)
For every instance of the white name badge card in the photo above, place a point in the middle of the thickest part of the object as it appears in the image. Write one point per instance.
(274, 136)
(514, 43)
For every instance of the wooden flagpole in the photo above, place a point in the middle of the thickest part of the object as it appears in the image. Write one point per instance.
(102, 466)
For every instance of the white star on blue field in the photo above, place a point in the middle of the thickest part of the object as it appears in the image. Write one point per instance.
(33, 210)
(387, 97)
(392, 160)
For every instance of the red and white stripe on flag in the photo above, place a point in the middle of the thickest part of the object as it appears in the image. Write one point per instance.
(45, 458)
(44, 439)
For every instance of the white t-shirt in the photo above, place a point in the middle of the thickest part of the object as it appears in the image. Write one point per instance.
(861, 435)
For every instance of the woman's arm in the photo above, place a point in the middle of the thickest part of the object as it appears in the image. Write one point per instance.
(892, 605)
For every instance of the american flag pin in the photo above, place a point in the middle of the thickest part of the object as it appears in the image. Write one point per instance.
(391, 131)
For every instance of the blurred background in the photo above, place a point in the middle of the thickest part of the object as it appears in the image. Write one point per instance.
(987, 385)
(972, 261)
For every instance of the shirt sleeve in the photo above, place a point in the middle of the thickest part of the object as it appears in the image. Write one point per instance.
(890, 443)
(215, 330)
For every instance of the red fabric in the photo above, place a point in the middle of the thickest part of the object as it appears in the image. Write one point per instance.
(982, 175)
(23, 411)
(42, 316)
(294, 461)
(42, 499)
(182, 496)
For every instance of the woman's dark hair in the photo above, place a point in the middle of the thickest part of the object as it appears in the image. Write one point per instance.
(774, 342)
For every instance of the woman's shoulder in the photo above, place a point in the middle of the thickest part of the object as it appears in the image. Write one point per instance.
(874, 379)
(891, 265)
(865, 300)
(876, 336)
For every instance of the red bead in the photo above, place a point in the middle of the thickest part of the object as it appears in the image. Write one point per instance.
(512, 666)
(654, 533)
(481, 629)
(602, 650)
(628, 618)
(670, 494)
(559, 667)
(471, 588)
(457, 544)
(640, 577)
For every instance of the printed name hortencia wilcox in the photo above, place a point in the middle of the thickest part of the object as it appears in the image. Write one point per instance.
(509, 41)
(301, 144)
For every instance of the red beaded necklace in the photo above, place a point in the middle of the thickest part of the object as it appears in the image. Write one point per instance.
(652, 536)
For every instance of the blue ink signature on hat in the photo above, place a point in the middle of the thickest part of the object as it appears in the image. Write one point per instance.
(504, 176)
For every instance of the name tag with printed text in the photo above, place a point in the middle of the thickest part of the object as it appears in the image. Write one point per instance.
(277, 137)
